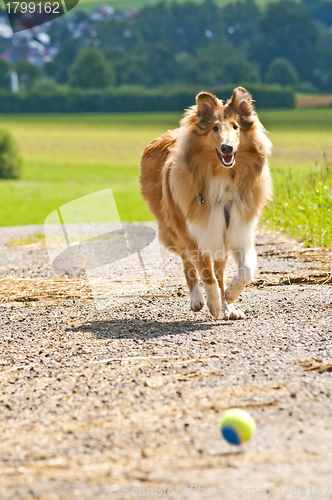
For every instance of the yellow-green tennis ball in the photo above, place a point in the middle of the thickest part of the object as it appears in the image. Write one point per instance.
(237, 426)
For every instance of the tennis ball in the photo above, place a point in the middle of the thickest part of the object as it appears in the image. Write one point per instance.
(237, 426)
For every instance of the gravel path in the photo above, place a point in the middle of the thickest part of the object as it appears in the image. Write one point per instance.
(94, 400)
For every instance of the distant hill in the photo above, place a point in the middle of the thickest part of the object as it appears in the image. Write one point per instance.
(89, 5)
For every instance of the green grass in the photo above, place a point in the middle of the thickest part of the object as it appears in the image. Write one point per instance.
(69, 156)
(301, 167)
(302, 204)
(18, 242)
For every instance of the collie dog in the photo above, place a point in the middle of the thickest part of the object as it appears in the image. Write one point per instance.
(206, 183)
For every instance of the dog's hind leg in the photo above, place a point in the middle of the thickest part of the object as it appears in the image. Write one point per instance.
(204, 266)
(196, 296)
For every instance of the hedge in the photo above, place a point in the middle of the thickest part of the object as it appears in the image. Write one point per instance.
(10, 160)
(134, 99)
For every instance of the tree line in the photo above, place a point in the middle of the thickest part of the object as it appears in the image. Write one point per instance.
(194, 44)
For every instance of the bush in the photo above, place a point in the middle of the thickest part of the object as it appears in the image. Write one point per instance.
(44, 86)
(306, 88)
(133, 99)
(282, 71)
(10, 161)
(265, 96)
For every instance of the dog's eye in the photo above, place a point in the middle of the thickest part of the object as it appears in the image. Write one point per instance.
(216, 129)
(235, 127)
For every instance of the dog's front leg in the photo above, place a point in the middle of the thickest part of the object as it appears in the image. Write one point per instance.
(230, 312)
(246, 264)
(196, 297)
(205, 269)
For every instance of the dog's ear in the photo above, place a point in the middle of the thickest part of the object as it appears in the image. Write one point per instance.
(206, 105)
(241, 102)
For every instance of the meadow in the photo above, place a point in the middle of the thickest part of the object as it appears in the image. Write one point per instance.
(68, 156)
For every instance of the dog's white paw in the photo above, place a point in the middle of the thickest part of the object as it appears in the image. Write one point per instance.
(232, 293)
(230, 312)
(213, 299)
(196, 299)
(214, 308)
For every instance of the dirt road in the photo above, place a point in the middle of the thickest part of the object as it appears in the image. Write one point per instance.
(95, 401)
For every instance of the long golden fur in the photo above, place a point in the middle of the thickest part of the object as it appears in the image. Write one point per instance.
(207, 183)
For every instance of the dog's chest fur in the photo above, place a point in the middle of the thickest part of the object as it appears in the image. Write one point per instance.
(225, 228)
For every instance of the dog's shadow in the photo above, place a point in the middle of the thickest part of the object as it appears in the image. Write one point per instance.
(143, 330)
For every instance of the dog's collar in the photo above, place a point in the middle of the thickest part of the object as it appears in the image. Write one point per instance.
(227, 212)
(200, 200)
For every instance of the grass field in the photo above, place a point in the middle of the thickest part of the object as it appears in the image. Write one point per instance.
(68, 156)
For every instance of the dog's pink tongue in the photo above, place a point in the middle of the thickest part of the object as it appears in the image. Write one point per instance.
(228, 158)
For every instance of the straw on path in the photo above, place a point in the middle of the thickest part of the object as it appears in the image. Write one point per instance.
(94, 400)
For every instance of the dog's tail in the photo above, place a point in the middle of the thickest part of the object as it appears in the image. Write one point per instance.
(153, 160)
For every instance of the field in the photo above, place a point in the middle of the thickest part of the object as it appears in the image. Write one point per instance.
(68, 156)
(313, 100)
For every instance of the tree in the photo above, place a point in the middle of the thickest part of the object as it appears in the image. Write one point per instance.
(241, 21)
(282, 71)
(4, 75)
(58, 68)
(27, 74)
(188, 25)
(91, 70)
(114, 32)
(320, 10)
(128, 67)
(287, 31)
(323, 74)
(218, 64)
(160, 63)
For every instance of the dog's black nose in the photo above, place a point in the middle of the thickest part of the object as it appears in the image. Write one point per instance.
(226, 148)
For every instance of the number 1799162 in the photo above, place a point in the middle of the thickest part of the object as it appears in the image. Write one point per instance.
(302, 491)
(33, 8)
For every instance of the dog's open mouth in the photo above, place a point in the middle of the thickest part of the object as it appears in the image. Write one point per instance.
(227, 160)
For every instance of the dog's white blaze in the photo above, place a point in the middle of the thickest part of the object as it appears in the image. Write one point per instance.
(240, 234)
(218, 239)
(215, 237)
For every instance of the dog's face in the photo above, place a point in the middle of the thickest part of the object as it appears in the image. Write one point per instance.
(221, 124)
